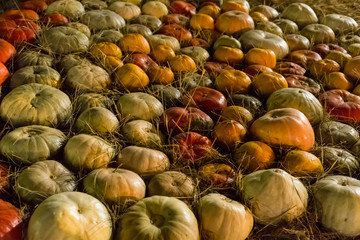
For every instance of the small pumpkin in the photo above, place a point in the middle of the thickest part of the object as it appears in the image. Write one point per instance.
(134, 43)
(136, 80)
(302, 163)
(143, 133)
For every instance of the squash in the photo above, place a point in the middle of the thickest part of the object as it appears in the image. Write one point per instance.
(222, 218)
(158, 217)
(90, 100)
(70, 215)
(72, 60)
(30, 144)
(337, 199)
(301, 13)
(32, 57)
(87, 152)
(126, 10)
(42, 180)
(139, 105)
(102, 19)
(114, 185)
(36, 74)
(303, 164)
(274, 196)
(171, 184)
(130, 77)
(11, 221)
(143, 133)
(144, 161)
(36, 103)
(69, 8)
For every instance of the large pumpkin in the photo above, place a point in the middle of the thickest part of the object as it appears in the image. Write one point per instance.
(284, 127)
(234, 21)
(36, 103)
(29, 144)
(274, 196)
(70, 215)
(114, 185)
(222, 218)
(158, 217)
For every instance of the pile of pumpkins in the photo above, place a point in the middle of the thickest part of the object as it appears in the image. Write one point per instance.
(176, 120)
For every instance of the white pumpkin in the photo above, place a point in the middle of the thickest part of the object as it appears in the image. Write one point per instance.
(301, 13)
(69, 8)
(102, 19)
(143, 133)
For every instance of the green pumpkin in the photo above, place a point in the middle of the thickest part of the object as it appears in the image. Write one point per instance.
(31, 57)
(90, 100)
(102, 19)
(69, 8)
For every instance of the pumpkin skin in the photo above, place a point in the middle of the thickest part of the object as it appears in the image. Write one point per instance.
(183, 8)
(150, 219)
(216, 211)
(177, 119)
(217, 175)
(299, 99)
(131, 77)
(321, 68)
(139, 105)
(201, 21)
(69, 8)
(229, 55)
(303, 82)
(318, 33)
(54, 19)
(258, 189)
(254, 155)
(332, 191)
(234, 21)
(126, 10)
(154, 8)
(340, 57)
(229, 133)
(35, 5)
(7, 51)
(182, 63)
(102, 19)
(134, 43)
(70, 215)
(10, 222)
(160, 75)
(162, 53)
(269, 27)
(143, 133)
(351, 67)
(284, 127)
(289, 68)
(98, 120)
(177, 31)
(141, 60)
(303, 164)
(44, 179)
(237, 113)
(19, 14)
(304, 57)
(114, 185)
(191, 147)
(143, 161)
(268, 11)
(19, 30)
(171, 184)
(89, 100)
(87, 152)
(161, 39)
(197, 53)
(232, 81)
(31, 57)
(265, 57)
(4, 73)
(339, 23)
(251, 103)
(72, 60)
(342, 105)
(40, 104)
(268, 82)
(287, 26)
(302, 14)
(297, 42)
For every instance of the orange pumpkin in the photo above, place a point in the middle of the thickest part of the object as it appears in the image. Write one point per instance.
(35, 5)
(229, 133)
(107, 54)
(254, 155)
(134, 43)
(130, 77)
(182, 63)
(160, 75)
(7, 51)
(265, 57)
(211, 9)
(285, 128)
(268, 82)
(232, 81)
(242, 6)
(322, 67)
(229, 55)
(337, 80)
(234, 21)
(237, 113)
(356, 90)
(162, 53)
(201, 21)
(302, 163)
(258, 17)
(340, 57)
(19, 14)
(4, 73)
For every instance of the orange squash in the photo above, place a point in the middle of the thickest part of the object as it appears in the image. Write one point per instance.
(7, 51)
(211, 9)
(229, 133)
(233, 81)
(234, 21)
(337, 80)
(182, 63)
(242, 6)
(130, 77)
(322, 67)
(302, 163)
(265, 57)
(229, 55)
(162, 53)
(201, 21)
(237, 113)
(160, 75)
(268, 82)
(134, 43)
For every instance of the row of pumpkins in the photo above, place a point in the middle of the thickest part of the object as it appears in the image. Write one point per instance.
(122, 101)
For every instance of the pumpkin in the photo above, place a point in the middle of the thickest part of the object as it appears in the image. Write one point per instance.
(254, 155)
(4, 73)
(182, 63)
(192, 80)
(284, 127)
(201, 21)
(217, 211)
(4, 178)
(228, 41)
(268, 82)
(19, 30)
(43, 179)
(258, 17)
(142, 60)
(351, 68)
(242, 6)
(269, 27)
(102, 19)
(302, 163)
(256, 69)
(7, 51)
(139, 105)
(150, 219)
(137, 28)
(229, 133)
(177, 18)
(143, 133)
(332, 191)
(35, 103)
(94, 4)
(154, 8)
(162, 53)
(268, 11)
(69, 8)
(36, 74)
(134, 42)
(89, 100)
(109, 35)
(31, 57)
(217, 175)
(299, 99)
(336, 134)
(126, 10)
(337, 80)
(10, 221)
(169, 95)
(232, 81)
(19, 14)
(234, 21)
(80, 27)
(98, 120)
(130, 77)
(265, 57)
(150, 21)
(70, 215)
(339, 23)
(320, 68)
(261, 39)
(35, 5)
(297, 42)
(64, 40)
(303, 82)
(304, 57)
(212, 10)
(87, 78)
(287, 26)
(72, 60)
(54, 19)
(101, 50)
(198, 54)
(160, 75)
(301, 13)
(229, 55)
(161, 39)
(144, 161)
(87, 152)
(114, 185)
(183, 8)
(251, 103)
(289, 68)
(274, 196)
(236, 113)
